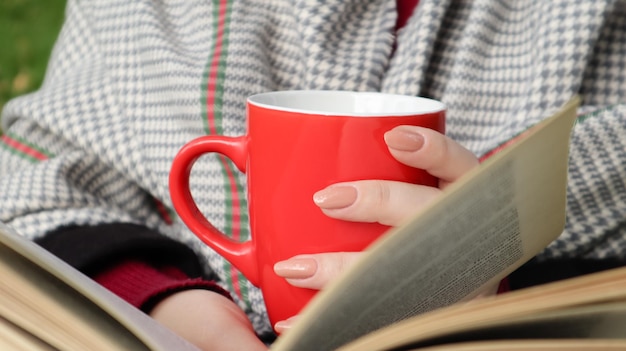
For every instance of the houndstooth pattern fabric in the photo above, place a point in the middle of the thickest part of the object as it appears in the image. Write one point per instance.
(127, 87)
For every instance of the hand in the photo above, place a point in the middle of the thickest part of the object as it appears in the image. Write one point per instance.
(386, 202)
(389, 202)
(208, 320)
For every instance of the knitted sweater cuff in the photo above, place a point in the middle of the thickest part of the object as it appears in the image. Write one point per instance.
(144, 286)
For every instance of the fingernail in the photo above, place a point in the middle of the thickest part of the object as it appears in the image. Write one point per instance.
(404, 140)
(284, 325)
(296, 268)
(335, 197)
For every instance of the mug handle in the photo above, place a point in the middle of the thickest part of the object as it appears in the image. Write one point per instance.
(241, 255)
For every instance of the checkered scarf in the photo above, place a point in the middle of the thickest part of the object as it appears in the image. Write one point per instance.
(129, 82)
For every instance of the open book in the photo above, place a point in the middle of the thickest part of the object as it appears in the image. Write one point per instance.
(46, 304)
(410, 290)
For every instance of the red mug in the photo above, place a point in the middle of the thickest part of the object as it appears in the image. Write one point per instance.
(299, 142)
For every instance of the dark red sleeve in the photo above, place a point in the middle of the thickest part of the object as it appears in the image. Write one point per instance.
(143, 285)
(405, 10)
(137, 263)
(503, 286)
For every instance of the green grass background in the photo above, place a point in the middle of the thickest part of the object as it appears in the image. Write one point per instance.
(28, 30)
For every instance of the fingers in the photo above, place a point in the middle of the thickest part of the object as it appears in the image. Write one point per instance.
(282, 326)
(431, 151)
(314, 271)
(386, 202)
(391, 203)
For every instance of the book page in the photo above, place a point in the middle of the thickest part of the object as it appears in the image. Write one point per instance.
(482, 228)
(55, 299)
(15, 338)
(531, 305)
(44, 307)
(535, 345)
(596, 321)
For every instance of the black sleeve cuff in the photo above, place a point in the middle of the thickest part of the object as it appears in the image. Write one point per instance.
(92, 248)
(535, 273)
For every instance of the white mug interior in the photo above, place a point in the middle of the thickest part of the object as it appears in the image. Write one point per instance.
(345, 103)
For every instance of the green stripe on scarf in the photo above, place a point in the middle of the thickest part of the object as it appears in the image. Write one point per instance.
(212, 102)
(24, 149)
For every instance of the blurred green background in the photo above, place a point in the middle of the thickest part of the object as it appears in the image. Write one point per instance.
(28, 29)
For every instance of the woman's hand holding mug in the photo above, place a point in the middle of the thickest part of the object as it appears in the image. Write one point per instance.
(386, 202)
